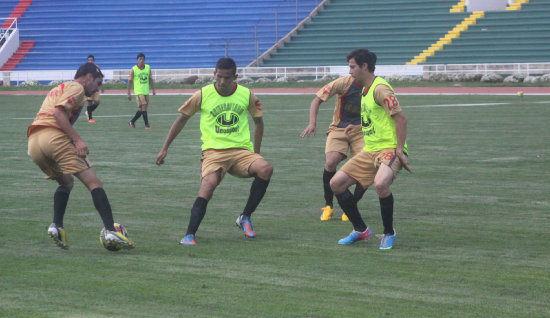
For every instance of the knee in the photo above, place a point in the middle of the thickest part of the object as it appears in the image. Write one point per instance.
(382, 189)
(331, 164)
(268, 170)
(66, 181)
(336, 186)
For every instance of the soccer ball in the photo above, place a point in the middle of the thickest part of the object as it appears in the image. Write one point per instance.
(110, 245)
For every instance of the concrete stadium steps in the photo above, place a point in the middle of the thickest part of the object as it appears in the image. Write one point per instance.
(394, 29)
(398, 30)
(521, 36)
(16, 57)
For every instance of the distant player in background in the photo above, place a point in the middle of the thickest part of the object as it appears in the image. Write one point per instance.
(57, 149)
(226, 148)
(347, 111)
(142, 79)
(93, 101)
(384, 128)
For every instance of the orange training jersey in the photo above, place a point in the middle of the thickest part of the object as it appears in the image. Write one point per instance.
(347, 108)
(69, 95)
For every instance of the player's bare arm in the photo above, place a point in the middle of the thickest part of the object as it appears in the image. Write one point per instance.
(313, 111)
(401, 132)
(63, 121)
(130, 81)
(258, 133)
(152, 83)
(176, 128)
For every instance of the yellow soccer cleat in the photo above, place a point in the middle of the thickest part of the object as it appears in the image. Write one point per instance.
(345, 217)
(59, 236)
(327, 213)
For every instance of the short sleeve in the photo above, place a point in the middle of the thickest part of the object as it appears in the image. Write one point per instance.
(385, 97)
(192, 105)
(339, 86)
(255, 106)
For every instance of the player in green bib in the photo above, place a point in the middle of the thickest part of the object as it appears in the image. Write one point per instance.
(384, 128)
(141, 79)
(226, 146)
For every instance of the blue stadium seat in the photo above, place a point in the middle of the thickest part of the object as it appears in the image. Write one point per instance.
(185, 34)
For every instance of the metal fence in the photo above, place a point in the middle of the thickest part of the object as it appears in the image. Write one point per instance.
(292, 73)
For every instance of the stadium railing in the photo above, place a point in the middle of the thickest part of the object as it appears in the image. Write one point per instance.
(293, 73)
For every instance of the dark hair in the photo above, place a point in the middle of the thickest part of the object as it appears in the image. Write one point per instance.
(140, 55)
(362, 56)
(91, 56)
(88, 68)
(226, 63)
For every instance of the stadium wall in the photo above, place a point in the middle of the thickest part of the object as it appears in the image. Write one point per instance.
(487, 5)
(310, 72)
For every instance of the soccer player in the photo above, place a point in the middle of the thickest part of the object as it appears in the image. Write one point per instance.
(347, 111)
(93, 101)
(59, 151)
(140, 76)
(384, 128)
(226, 148)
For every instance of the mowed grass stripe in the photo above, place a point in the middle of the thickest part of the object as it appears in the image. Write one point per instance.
(472, 220)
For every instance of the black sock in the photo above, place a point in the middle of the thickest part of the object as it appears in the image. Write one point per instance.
(257, 191)
(90, 109)
(103, 207)
(349, 206)
(386, 209)
(358, 192)
(145, 118)
(197, 213)
(329, 195)
(136, 116)
(60, 199)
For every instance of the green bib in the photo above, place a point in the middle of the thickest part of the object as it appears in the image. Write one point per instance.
(141, 80)
(224, 119)
(378, 127)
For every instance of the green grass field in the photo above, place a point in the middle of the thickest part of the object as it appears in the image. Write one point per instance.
(473, 220)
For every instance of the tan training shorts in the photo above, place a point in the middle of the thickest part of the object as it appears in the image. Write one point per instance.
(142, 100)
(234, 161)
(94, 97)
(364, 166)
(338, 141)
(53, 151)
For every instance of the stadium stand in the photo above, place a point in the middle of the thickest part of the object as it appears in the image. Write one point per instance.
(6, 7)
(398, 30)
(521, 36)
(395, 29)
(172, 34)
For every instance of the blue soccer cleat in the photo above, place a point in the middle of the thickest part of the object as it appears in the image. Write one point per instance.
(355, 236)
(189, 239)
(387, 241)
(245, 224)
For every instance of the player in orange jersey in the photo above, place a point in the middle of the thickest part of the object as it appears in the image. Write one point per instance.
(59, 151)
(93, 101)
(347, 112)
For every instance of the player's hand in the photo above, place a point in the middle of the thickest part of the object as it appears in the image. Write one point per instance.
(81, 148)
(160, 157)
(351, 128)
(310, 130)
(404, 160)
(129, 96)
